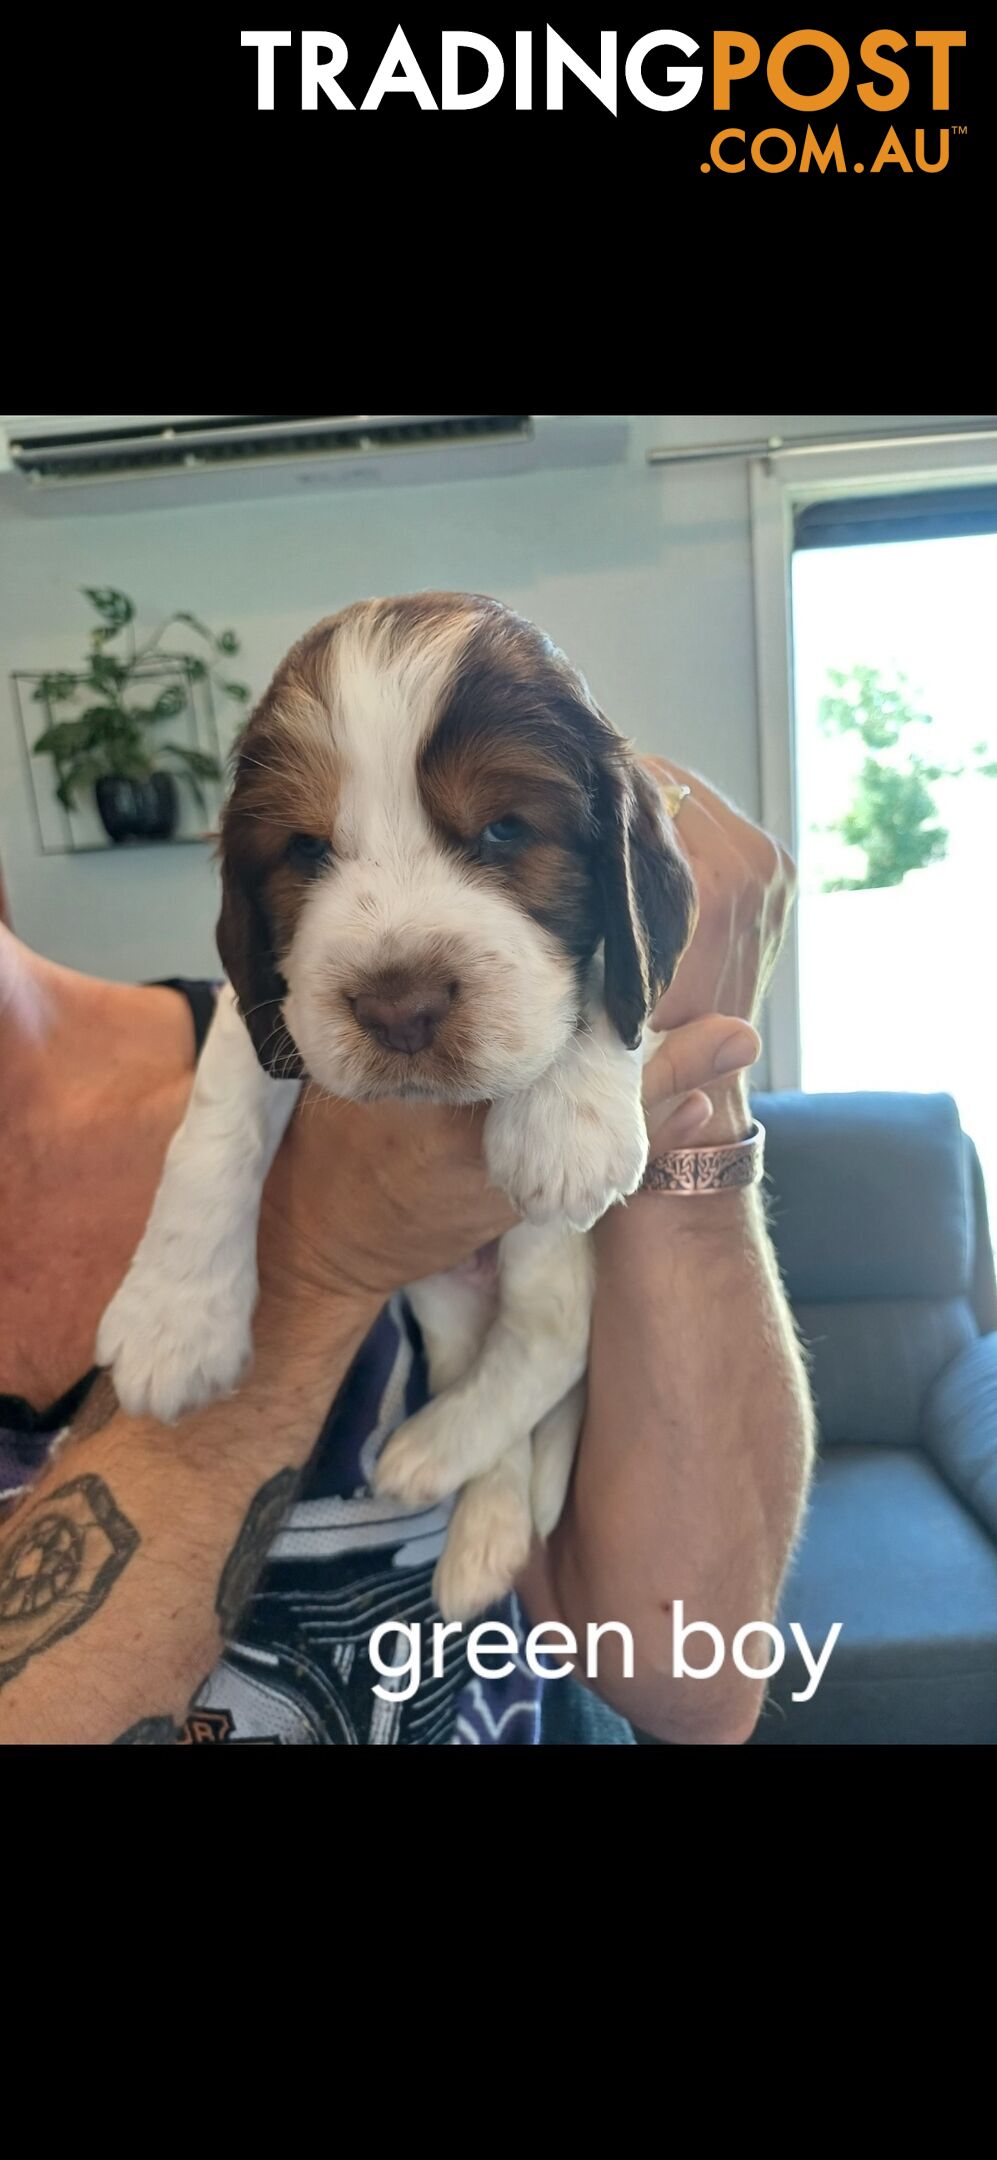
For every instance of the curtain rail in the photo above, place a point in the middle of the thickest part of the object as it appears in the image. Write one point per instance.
(777, 446)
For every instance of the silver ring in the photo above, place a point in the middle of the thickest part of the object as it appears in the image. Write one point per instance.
(674, 798)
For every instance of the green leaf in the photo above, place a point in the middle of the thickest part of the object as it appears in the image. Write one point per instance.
(237, 690)
(106, 672)
(100, 718)
(64, 739)
(200, 762)
(227, 642)
(55, 689)
(183, 615)
(86, 770)
(115, 607)
(127, 761)
(168, 704)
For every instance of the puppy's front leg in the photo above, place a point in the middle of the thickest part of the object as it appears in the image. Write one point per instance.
(455, 1312)
(179, 1330)
(488, 1538)
(555, 1444)
(563, 1150)
(532, 1354)
(491, 1528)
(569, 1146)
(501, 1361)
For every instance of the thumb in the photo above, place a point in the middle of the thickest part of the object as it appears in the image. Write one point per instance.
(699, 1054)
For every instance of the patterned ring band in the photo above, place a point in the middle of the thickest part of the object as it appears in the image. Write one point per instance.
(709, 1169)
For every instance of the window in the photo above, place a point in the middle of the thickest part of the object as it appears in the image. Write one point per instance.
(894, 620)
(881, 555)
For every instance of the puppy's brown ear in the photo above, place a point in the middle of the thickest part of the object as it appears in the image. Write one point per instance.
(649, 902)
(246, 947)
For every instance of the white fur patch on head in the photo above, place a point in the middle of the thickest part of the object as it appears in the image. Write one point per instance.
(385, 690)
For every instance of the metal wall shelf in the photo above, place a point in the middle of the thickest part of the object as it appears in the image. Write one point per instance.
(80, 832)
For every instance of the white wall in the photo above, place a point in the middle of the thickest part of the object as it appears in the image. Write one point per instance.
(642, 574)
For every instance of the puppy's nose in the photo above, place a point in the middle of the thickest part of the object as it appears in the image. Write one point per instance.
(409, 1019)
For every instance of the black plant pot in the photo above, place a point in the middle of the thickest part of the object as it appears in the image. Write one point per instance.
(139, 809)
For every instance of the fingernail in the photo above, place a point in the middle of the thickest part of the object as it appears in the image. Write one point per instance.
(736, 1051)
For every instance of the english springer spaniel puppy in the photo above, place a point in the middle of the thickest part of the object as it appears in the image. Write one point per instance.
(445, 878)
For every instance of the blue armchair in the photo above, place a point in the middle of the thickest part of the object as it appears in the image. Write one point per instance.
(879, 1218)
(878, 1214)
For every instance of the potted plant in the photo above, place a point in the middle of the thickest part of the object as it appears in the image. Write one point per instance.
(113, 745)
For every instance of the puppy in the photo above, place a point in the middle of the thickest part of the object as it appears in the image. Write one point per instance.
(445, 878)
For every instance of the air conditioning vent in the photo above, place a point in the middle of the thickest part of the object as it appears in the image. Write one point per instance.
(185, 447)
(54, 465)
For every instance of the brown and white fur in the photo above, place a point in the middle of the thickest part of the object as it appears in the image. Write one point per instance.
(445, 877)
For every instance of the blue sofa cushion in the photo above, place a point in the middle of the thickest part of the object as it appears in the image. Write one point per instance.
(891, 1552)
(959, 1428)
(869, 1195)
(984, 1287)
(871, 1365)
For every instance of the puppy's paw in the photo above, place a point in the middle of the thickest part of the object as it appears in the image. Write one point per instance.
(171, 1349)
(555, 1442)
(488, 1545)
(422, 1460)
(562, 1159)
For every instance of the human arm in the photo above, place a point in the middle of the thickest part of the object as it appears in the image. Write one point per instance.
(361, 1200)
(123, 1569)
(143, 1532)
(697, 1448)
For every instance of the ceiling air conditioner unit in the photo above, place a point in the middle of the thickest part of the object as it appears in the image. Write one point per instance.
(140, 461)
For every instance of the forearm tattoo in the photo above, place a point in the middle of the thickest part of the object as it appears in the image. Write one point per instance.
(238, 1580)
(245, 1561)
(62, 1553)
(60, 1557)
(149, 1732)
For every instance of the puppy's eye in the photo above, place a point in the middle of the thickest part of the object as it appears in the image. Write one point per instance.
(308, 851)
(503, 834)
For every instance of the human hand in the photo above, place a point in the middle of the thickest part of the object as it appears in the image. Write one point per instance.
(365, 1197)
(746, 882)
(682, 1079)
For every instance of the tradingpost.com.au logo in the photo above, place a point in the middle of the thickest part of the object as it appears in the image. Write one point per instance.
(846, 86)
